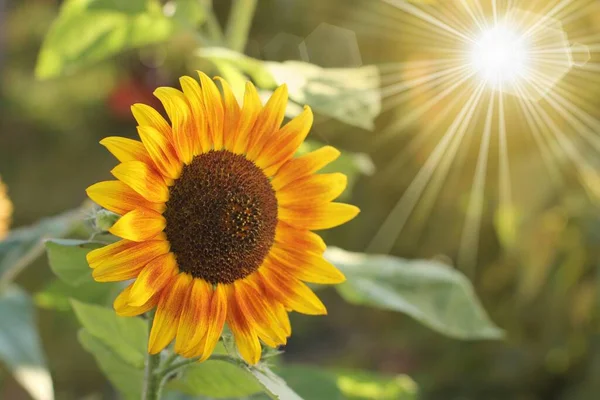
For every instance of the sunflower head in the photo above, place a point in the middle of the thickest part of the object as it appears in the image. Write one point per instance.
(5, 211)
(217, 219)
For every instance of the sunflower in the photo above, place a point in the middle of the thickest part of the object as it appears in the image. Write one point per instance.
(5, 211)
(217, 218)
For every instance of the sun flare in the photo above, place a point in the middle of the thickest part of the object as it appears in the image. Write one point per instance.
(483, 85)
(500, 56)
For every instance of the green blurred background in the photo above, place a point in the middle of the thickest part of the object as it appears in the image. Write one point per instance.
(541, 284)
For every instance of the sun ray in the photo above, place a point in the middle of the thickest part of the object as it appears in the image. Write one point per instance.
(469, 242)
(417, 12)
(384, 239)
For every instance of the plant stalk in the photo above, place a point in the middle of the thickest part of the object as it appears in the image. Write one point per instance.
(152, 381)
(239, 23)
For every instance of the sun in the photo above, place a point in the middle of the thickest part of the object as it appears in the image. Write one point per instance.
(501, 56)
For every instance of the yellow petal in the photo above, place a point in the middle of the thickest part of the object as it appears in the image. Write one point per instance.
(314, 189)
(178, 110)
(250, 111)
(301, 239)
(120, 198)
(322, 216)
(231, 119)
(155, 275)
(303, 166)
(213, 108)
(124, 309)
(126, 150)
(168, 311)
(285, 143)
(144, 180)
(217, 314)
(283, 316)
(194, 318)
(309, 267)
(139, 225)
(201, 139)
(161, 151)
(246, 338)
(124, 259)
(258, 312)
(268, 123)
(148, 116)
(291, 292)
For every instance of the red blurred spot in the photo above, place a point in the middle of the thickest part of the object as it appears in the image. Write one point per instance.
(128, 93)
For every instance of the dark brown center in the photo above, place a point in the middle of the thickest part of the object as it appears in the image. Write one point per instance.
(221, 217)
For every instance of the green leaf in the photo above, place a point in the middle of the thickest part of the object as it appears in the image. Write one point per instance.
(323, 384)
(126, 337)
(25, 245)
(125, 377)
(216, 379)
(20, 348)
(350, 95)
(434, 294)
(67, 259)
(353, 165)
(87, 31)
(272, 384)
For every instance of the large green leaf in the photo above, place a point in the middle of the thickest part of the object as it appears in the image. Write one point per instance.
(126, 337)
(323, 384)
(67, 259)
(20, 348)
(57, 294)
(125, 377)
(350, 95)
(434, 294)
(216, 379)
(87, 31)
(24, 245)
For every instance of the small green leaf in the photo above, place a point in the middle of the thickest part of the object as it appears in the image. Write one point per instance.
(20, 348)
(216, 379)
(273, 384)
(323, 384)
(25, 245)
(104, 220)
(87, 31)
(436, 295)
(125, 377)
(126, 337)
(67, 259)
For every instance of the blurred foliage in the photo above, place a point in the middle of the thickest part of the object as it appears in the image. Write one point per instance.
(537, 274)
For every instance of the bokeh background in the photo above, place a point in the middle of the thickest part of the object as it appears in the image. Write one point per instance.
(541, 284)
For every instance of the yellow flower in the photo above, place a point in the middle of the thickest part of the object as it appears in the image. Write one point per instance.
(5, 211)
(217, 219)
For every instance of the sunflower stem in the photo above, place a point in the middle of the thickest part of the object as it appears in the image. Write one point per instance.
(239, 23)
(152, 381)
